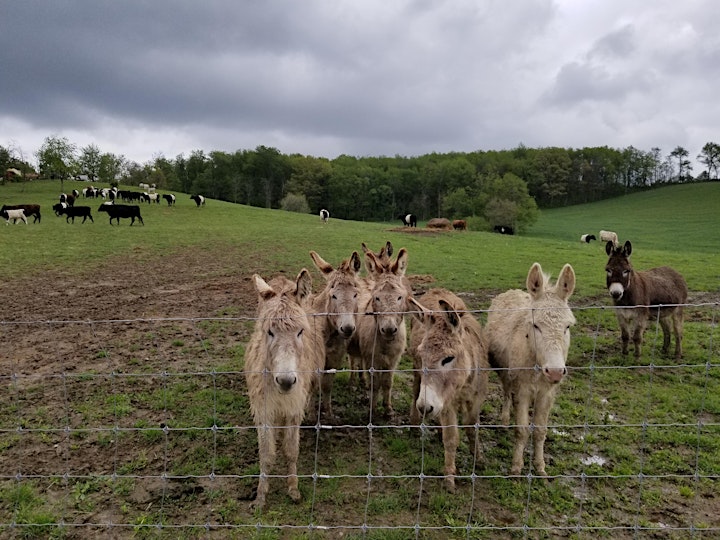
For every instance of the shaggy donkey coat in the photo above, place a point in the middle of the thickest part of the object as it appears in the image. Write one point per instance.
(639, 290)
(381, 335)
(337, 307)
(528, 337)
(451, 371)
(282, 363)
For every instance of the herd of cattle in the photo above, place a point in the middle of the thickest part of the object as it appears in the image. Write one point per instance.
(116, 210)
(300, 339)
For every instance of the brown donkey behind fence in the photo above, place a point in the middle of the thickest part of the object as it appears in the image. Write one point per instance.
(663, 288)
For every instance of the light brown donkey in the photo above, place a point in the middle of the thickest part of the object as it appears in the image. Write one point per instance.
(381, 335)
(528, 337)
(282, 363)
(337, 305)
(451, 371)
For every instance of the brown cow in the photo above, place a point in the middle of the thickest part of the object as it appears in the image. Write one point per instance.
(459, 224)
(451, 371)
(528, 337)
(282, 362)
(640, 290)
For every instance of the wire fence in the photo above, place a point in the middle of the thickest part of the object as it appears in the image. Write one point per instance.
(142, 427)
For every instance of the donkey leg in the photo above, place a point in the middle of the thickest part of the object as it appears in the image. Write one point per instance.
(451, 438)
(266, 451)
(541, 413)
(522, 429)
(665, 325)
(678, 328)
(291, 449)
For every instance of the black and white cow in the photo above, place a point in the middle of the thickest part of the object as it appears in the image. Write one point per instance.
(409, 220)
(587, 238)
(324, 215)
(199, 200)
(170, 198)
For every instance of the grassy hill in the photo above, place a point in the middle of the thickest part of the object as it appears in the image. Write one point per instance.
(673, 225)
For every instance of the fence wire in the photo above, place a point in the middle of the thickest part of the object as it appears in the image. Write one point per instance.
(142, 427)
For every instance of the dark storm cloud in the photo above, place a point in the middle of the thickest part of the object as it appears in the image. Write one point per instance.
(342, 76)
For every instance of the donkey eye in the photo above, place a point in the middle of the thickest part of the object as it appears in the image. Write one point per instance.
(270, 333)
(626, 273)
(334, 297)
(609, 273)
(536, 327)
(300, 333)
(447, 360)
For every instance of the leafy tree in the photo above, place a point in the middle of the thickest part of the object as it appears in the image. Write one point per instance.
(89, 162)
(111, 167)
(710, 157)
(508, 198)
(56, 157)
(293, 202)
(683, 163)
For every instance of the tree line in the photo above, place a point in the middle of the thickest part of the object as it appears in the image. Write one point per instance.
(487, 188)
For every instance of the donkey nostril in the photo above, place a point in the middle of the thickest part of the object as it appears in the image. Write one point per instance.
(285, 382)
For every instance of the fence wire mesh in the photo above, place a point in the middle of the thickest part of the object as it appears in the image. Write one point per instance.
(143, 428)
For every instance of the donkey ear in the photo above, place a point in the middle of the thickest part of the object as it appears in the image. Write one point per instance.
(264, 290)
(365, 248)
(535, 280)
(355, 261)
(372, 264)
(303, 284)
(421, 312)
(400, 265)
(389, 248)
(452, 316)
(627, 248)
(325, 267)
(566, 282)
(609, 248)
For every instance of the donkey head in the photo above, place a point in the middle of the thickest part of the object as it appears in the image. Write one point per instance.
(281, 313)
(551, 319)
(618, 269)
(341, 289)
(444, 355)
(389, 294)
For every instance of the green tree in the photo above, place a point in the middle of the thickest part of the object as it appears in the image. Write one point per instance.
(111, 168)
(295, 202)
(56, 158)
(89, 162)
(710, 157)
(683, 163)
(508, 198)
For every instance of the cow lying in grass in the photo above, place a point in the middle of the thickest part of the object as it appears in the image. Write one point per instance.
(117, 211)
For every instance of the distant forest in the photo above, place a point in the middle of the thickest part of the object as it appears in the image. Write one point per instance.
(485, 187)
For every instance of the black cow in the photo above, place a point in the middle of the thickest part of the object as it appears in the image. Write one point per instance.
(117, 211)
(503, 229)
(71, 212)
(409, 220)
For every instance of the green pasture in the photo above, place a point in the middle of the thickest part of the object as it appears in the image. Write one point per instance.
(654, 422)
(676, 226)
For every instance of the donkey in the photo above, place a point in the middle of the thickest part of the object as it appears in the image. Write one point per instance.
(282, 363)
(381, 335)
(528, 340)
(338, 301)
(451, 371)
(659, 291)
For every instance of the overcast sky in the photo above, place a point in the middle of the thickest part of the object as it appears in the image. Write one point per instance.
(362, 77)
